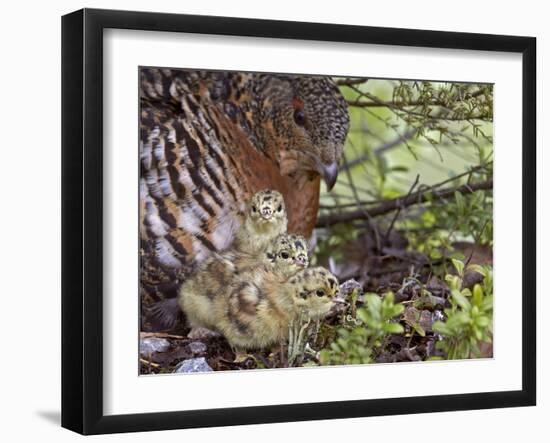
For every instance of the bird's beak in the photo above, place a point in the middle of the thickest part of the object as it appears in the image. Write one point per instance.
(300, 261)
(266, 213)
(330, 174)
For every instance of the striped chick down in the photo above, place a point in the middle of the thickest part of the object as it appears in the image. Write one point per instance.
(254, 310)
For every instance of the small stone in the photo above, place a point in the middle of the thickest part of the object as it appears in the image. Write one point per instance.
(197, 347)
(200, 333)
(349, 286)
(426, 321)
(193, 365)
(471, 278)
(149, 345)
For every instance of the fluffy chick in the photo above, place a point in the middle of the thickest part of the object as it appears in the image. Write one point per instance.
(265, 219)
(255, 311)
(284, 257)
(288, 252)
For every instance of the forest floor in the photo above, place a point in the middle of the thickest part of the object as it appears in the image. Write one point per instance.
(407, 274)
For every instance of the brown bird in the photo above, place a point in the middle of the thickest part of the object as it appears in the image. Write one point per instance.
(253, 310)
(208, 142)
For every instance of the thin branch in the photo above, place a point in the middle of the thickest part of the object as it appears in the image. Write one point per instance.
(375, 102)
(401, 202)
(351, 81)
(438, 185)
(401, 138)
(364, 212)
(396, 107)
(411, 189)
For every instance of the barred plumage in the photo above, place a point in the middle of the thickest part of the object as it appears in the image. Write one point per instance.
(208, 141)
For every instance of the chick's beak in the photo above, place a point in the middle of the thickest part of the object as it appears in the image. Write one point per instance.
(266, 213)
(300, 261)
(330, 174)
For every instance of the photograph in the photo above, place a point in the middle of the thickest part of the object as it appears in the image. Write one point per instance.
(296, 221)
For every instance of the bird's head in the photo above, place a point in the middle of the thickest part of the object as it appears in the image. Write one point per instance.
(266, 208)
(315, 290)
(304, 124)
(288, 254)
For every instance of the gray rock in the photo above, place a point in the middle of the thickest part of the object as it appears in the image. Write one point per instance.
(149, 345)
(193, 365)
(348, 287)
(196, 347)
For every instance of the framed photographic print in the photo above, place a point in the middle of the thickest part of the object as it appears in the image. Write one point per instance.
(273, 221)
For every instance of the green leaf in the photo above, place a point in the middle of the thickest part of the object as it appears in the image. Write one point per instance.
(460, 300)
(419, 329)
(478, 334)
(460, 202)
(477, 296)
(373, 300)
(394, 328)
(478, 268)
(487, 304)
(453, 281)
(389, 297)
(399, 168)
(482, 321)
(441, 328)
(458, 320)
(459, 266)
(397, 310)
(344, 333)
(363, 316)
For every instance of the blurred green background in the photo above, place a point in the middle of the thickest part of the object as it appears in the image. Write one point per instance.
(391, 165)
(412, 133)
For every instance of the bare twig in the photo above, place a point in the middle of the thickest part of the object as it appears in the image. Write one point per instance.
(351, 81)
(149, 363)
(411, 189)
(363, 211)
(401, 202)
(401, 138)
(160, 335)
(438, 185)
(477, 241)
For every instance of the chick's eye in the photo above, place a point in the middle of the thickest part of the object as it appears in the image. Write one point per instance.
(279, 208)
(320, 293)
(299, 117)
(285, 255)
(254, 209)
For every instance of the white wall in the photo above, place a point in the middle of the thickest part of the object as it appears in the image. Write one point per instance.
(30, 218)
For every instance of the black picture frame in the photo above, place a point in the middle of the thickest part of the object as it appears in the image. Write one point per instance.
(82, 219)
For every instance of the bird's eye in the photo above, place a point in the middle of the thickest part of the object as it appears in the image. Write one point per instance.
(320, 293)
(299, 117)
(254, 209)
(280, 208)
(285, 255)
